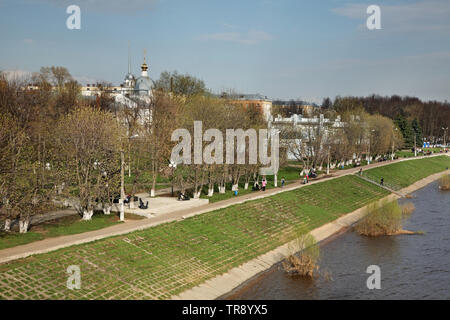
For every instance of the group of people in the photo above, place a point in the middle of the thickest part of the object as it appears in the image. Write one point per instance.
(308, 175)
(256, 186)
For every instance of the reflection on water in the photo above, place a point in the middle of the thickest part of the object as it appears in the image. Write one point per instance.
(412, 266)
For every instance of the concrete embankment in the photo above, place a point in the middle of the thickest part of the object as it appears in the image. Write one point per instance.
(236, 277)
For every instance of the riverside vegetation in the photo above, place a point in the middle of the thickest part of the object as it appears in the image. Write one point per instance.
(303, 261)
(384, 218)
(444, 182)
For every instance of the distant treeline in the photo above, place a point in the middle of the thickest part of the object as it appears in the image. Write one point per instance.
(431, 116)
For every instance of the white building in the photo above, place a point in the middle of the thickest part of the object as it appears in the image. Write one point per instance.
(132, 89)
(303, 129)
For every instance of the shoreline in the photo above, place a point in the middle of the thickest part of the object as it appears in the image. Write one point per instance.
(224, 285)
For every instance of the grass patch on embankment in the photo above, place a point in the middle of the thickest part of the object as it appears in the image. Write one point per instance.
(402, 174)
(168, 259)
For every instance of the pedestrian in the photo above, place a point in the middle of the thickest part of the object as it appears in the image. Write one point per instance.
(382, 181)
(264, 182)
(360, 171)
(283, 181)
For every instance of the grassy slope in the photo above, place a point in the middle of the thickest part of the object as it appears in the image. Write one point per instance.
(405, 173)
(165, 260)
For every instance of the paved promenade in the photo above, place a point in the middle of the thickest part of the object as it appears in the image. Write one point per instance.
(52, 244)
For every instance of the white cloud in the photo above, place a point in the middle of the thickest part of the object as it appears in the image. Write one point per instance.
(250, 37)
(432, 15)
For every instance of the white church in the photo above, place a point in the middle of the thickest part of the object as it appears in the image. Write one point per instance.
(133, 88)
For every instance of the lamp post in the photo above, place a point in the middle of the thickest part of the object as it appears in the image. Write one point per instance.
(415, 147)
(370, 140)
(393, 140)
(328, 164)
(122, 186)
(172, 166)
(445, 136)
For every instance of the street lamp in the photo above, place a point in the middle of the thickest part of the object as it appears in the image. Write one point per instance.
(370, 140)
(172, 166)
(328, 164)
(415, 146)
(122, 186)
(445, 136)
(393, 140)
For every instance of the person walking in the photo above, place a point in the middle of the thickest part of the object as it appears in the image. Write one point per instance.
(264, 182)
(283, 181)
(382, 181)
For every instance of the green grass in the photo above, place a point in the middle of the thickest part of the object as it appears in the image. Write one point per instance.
(363, 163)
(8, 240)
(410, 154)
(62, 227)
(402, 174)
(165, 260)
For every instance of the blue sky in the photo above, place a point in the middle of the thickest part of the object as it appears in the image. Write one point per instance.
(279, 48)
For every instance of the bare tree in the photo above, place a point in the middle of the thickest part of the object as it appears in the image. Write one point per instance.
(89, 143)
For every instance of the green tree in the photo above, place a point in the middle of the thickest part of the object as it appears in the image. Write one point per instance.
(88, 143)
(406, 129)
(417, 130)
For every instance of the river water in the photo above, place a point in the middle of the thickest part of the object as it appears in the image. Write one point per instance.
(412, 266)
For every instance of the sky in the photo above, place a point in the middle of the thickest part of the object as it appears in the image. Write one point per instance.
(284, 49)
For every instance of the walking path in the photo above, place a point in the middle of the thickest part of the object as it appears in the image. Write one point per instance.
(51, 244)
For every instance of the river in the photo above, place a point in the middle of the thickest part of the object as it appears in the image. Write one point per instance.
(412, 266)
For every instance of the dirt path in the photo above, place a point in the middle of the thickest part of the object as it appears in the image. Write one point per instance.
(52, 244)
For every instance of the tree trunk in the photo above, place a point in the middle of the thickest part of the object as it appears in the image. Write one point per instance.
(23, 225)
(275, 180)
(122, 210)
(210, 191)
(87, 214)
(7, 225)
(107, 209)
(246, 186)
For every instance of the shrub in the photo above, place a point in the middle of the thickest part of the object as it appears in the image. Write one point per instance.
(408, 208)
(382, 218)
(304, 262)
(444, 182)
